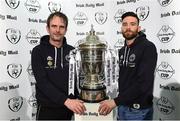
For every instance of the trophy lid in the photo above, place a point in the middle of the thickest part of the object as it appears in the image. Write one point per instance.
(92, 41)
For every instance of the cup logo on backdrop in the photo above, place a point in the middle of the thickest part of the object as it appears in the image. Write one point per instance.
(165, 71)
(165, 106)
(13, 35)
(13, 3)
(15, 103)
(33, 37)
(14, 70)
(119, 44)
(31, 76)
(164, 3)
(29, 70)
(80, 18)
(53, 7)
(142, 12)
(32, 100)
(101, 17)
(165, 34)
(118, 15)
(32, 6)
(79, 41)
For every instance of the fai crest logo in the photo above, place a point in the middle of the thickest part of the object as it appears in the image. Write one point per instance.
(80, 18)
(165, 71)
(53, 7)
(118, 15)
(165, 106)
(132, 57)
(13, 3)
(33, 37)
(164, 3)
(15, 103)
(13, 35)
(14, 70)
(142, 12)
(32, 6)
(101, 17)
(165, 34)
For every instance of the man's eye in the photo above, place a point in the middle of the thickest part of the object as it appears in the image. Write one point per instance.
(124, 24)
(53, 26)
(62, 27)
(133, 24)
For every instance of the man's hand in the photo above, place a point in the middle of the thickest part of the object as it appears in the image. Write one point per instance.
(75, 105)
(106, 107)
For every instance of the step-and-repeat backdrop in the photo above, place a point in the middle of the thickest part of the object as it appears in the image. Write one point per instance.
(23, 22)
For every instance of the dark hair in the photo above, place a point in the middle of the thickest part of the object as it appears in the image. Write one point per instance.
(130, 14)
(59, 14)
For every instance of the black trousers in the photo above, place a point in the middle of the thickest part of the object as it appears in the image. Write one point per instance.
(53, 113)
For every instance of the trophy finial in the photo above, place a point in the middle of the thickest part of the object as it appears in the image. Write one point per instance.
(92, 30)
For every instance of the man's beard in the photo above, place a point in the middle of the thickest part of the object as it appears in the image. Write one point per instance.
(130, 36)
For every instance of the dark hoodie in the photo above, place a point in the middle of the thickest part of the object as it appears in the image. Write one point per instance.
(136, 76)
(50, 66)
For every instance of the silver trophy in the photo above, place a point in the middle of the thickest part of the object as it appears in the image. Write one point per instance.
(92, 60)
(92, 68)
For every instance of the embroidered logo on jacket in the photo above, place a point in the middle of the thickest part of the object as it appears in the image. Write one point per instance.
(49, 62)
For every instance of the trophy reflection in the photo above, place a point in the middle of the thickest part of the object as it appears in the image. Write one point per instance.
(91, 68)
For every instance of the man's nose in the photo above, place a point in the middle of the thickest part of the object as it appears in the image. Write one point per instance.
(57, 29)
(128, 26)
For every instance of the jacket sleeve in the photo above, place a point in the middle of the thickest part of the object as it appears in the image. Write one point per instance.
(43, 85)
(144, 78)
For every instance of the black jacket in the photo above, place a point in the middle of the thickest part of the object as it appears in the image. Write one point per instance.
(136, 76)
(50, 66)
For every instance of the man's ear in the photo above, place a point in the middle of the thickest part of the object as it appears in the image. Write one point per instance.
(47, 29)
(139, 28)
